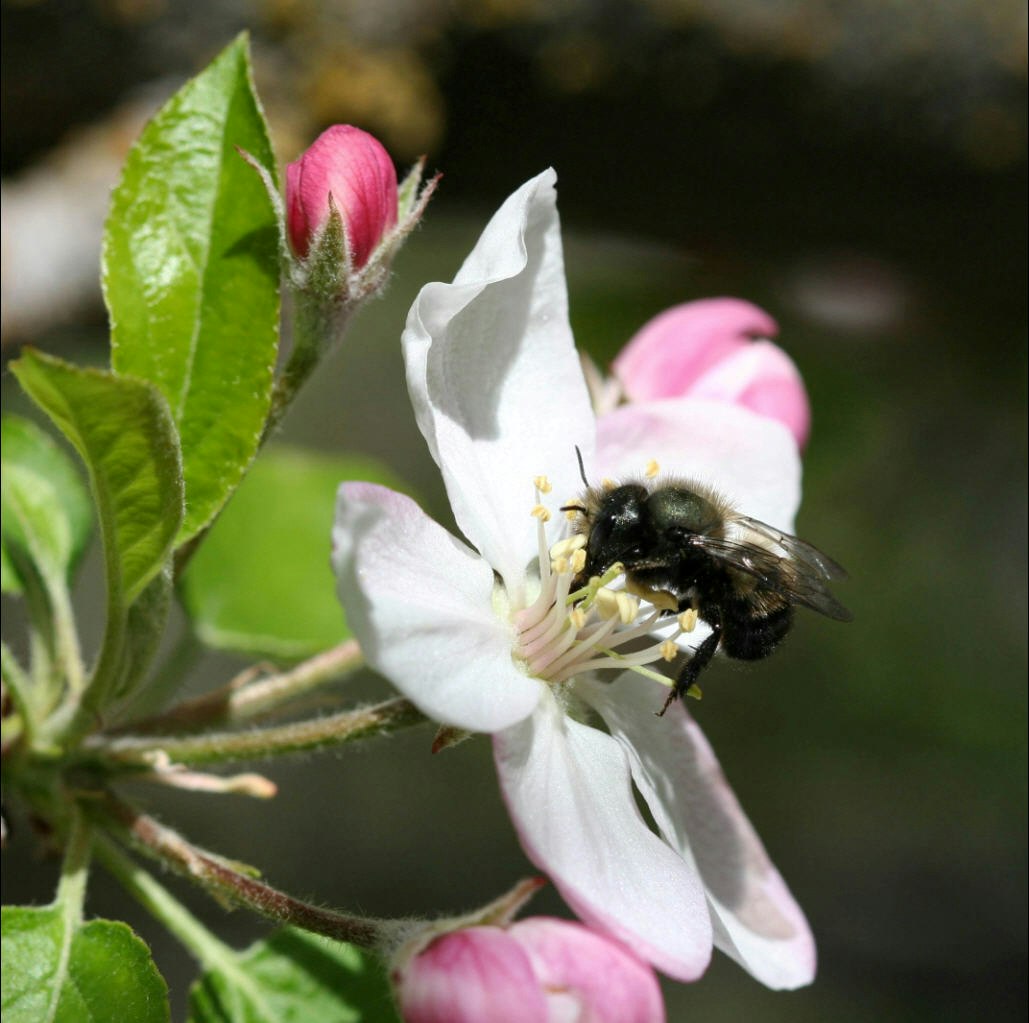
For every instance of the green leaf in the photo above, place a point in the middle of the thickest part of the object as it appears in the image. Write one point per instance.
(144, 631)
(45, 503)
(123, 432)
(292, 977)
(191, 274)
(100, 972)
(261, 583)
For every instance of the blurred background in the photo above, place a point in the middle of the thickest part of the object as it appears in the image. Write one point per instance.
(856, 167)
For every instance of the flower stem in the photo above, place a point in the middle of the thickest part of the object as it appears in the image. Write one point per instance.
(222, 747)
(71, 889)
(211, 952)
(223, 881)
(242, 698)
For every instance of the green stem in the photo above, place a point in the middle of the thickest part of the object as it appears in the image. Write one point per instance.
(18, 684)
(318, 324)
(223, 747)
(69, 652)
(210, 951)
(242, 698)
(224, 882)
(71, 889)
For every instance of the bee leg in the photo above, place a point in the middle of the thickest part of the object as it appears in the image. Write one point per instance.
(693, 667)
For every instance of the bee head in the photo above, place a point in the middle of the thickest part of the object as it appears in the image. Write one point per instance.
(617, 527)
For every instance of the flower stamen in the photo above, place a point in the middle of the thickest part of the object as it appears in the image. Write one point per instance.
(564, 633)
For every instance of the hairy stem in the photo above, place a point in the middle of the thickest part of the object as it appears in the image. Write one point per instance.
(162, 905)
(244, 698)
(223, 881)
(222, 747)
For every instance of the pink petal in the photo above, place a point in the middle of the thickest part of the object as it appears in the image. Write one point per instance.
(420, 603)
(705, 350)
(356, 170)
(756, 920)
(568, 792)
(595, 979)
(752, 461)
(471, 976)
(495, 381)
(676, 348)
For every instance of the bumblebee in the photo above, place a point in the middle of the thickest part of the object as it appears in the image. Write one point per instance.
(683, 547)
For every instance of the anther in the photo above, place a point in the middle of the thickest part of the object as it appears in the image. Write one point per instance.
(570, 544)
(669, 651)
(688, 620)
(542, 484)
(652, 469)
(541, 513)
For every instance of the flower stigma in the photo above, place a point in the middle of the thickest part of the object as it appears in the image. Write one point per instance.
(564, 632)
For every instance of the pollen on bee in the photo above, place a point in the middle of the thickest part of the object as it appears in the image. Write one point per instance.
(541, 513)
(608, 484)
(669, 651)
(572, 513)
(542, 484)
(688, 620)
(652, 469)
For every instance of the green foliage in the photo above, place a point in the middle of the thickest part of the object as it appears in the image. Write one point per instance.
(262, 583)
(56, 970)
(123, 432)
(46, 507)
(190, 274)
(291, 977)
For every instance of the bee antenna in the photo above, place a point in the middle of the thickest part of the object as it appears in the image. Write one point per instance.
(582, 468)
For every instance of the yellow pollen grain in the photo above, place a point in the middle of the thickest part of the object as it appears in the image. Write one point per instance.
(541, 513)
(542, 484)
(652, 469)
(688, 620)
(669, 651)
(578, 560)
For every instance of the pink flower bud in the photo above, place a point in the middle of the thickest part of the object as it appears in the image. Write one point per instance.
(357, 171)
(535, 971)
(707, 349)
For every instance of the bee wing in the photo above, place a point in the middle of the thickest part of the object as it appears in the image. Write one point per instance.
(781, 562)
(793, 547)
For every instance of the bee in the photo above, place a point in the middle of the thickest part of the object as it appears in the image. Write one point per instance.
(684, 547)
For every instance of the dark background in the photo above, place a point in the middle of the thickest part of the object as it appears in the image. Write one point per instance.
(858, 169)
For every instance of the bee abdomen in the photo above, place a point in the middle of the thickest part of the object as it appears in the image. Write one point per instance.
(750, 639)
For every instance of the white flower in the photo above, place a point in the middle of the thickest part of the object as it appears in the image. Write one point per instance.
(482, 637)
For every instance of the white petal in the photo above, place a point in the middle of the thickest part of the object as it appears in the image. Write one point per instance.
(750, 459)
(419, 602)
(756, 920)
(495, 381)
(567, 788)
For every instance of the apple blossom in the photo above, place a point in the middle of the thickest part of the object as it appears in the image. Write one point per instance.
(353, 168)
(486, 636)
(715, 348)
(537, 970)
